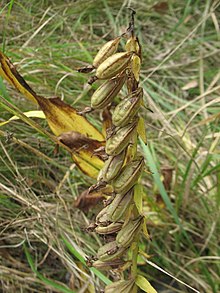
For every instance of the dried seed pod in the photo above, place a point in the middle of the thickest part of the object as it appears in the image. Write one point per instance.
(111, 167)
(128, 176)
(107, 92)
(133, 45)
(129, 232)
(125, 286)
(106, 51)
(136, 66)
(110, 251)
(126, 110)
(113, 65)
(116, 209)
(103, 216)
(121, 203)
(111, 228)
(108, 265)
(120, 139)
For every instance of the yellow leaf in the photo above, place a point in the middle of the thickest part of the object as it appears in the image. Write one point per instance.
(35, 114)
(9, 72)
(61, 118)
(141, 130)
(144, 285)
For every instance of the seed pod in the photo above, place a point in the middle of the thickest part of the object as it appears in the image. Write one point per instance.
(129, 232)
(113, 65)
(128, 176)
(107, 92)
(108, 265)
(106, 51)
(111, 228)
(103, 216)
(110, 251)
(125, 286)
(126, 110)
(120, 139)
(121, 204)
(133, 45)
(111, 167)
(136, 66)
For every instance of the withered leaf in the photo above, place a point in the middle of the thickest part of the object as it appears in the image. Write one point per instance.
(86, 200)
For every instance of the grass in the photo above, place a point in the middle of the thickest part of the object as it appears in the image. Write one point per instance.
(180, 75)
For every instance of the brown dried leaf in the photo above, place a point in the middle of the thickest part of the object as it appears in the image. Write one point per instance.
(87, 200)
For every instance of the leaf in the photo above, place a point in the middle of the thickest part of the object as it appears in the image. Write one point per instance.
(190, 85)
(61, 118)
(48, 282)
(144, 285)
(141, 130)
(9, 72)
(85, 201)
(35, 114)
(77, 254)
(138, 195)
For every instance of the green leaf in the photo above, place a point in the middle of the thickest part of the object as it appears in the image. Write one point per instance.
(144, 285)
(102, 277)
(59, 287)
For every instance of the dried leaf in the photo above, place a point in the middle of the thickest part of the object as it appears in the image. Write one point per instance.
(107, 120)
(161, 7)
(87, 200)
(190, 85)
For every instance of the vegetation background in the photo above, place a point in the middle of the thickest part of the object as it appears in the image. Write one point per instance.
(42, 234)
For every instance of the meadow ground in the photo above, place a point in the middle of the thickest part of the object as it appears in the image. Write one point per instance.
(42, 234)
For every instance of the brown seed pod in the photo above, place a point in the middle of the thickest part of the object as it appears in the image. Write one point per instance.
(111, 167)
(107, 92)
(126, 110)
(120, 139)
(128, 176)
(106, 51)
(113, 65)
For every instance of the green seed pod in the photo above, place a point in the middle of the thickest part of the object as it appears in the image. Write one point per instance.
(128, 176)
(111, 167)
(107, 92)
(110, 251)
(106, 51)
(129, 232)
(113, 65)
(111, 228)
(120, 139)
(126, 110)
